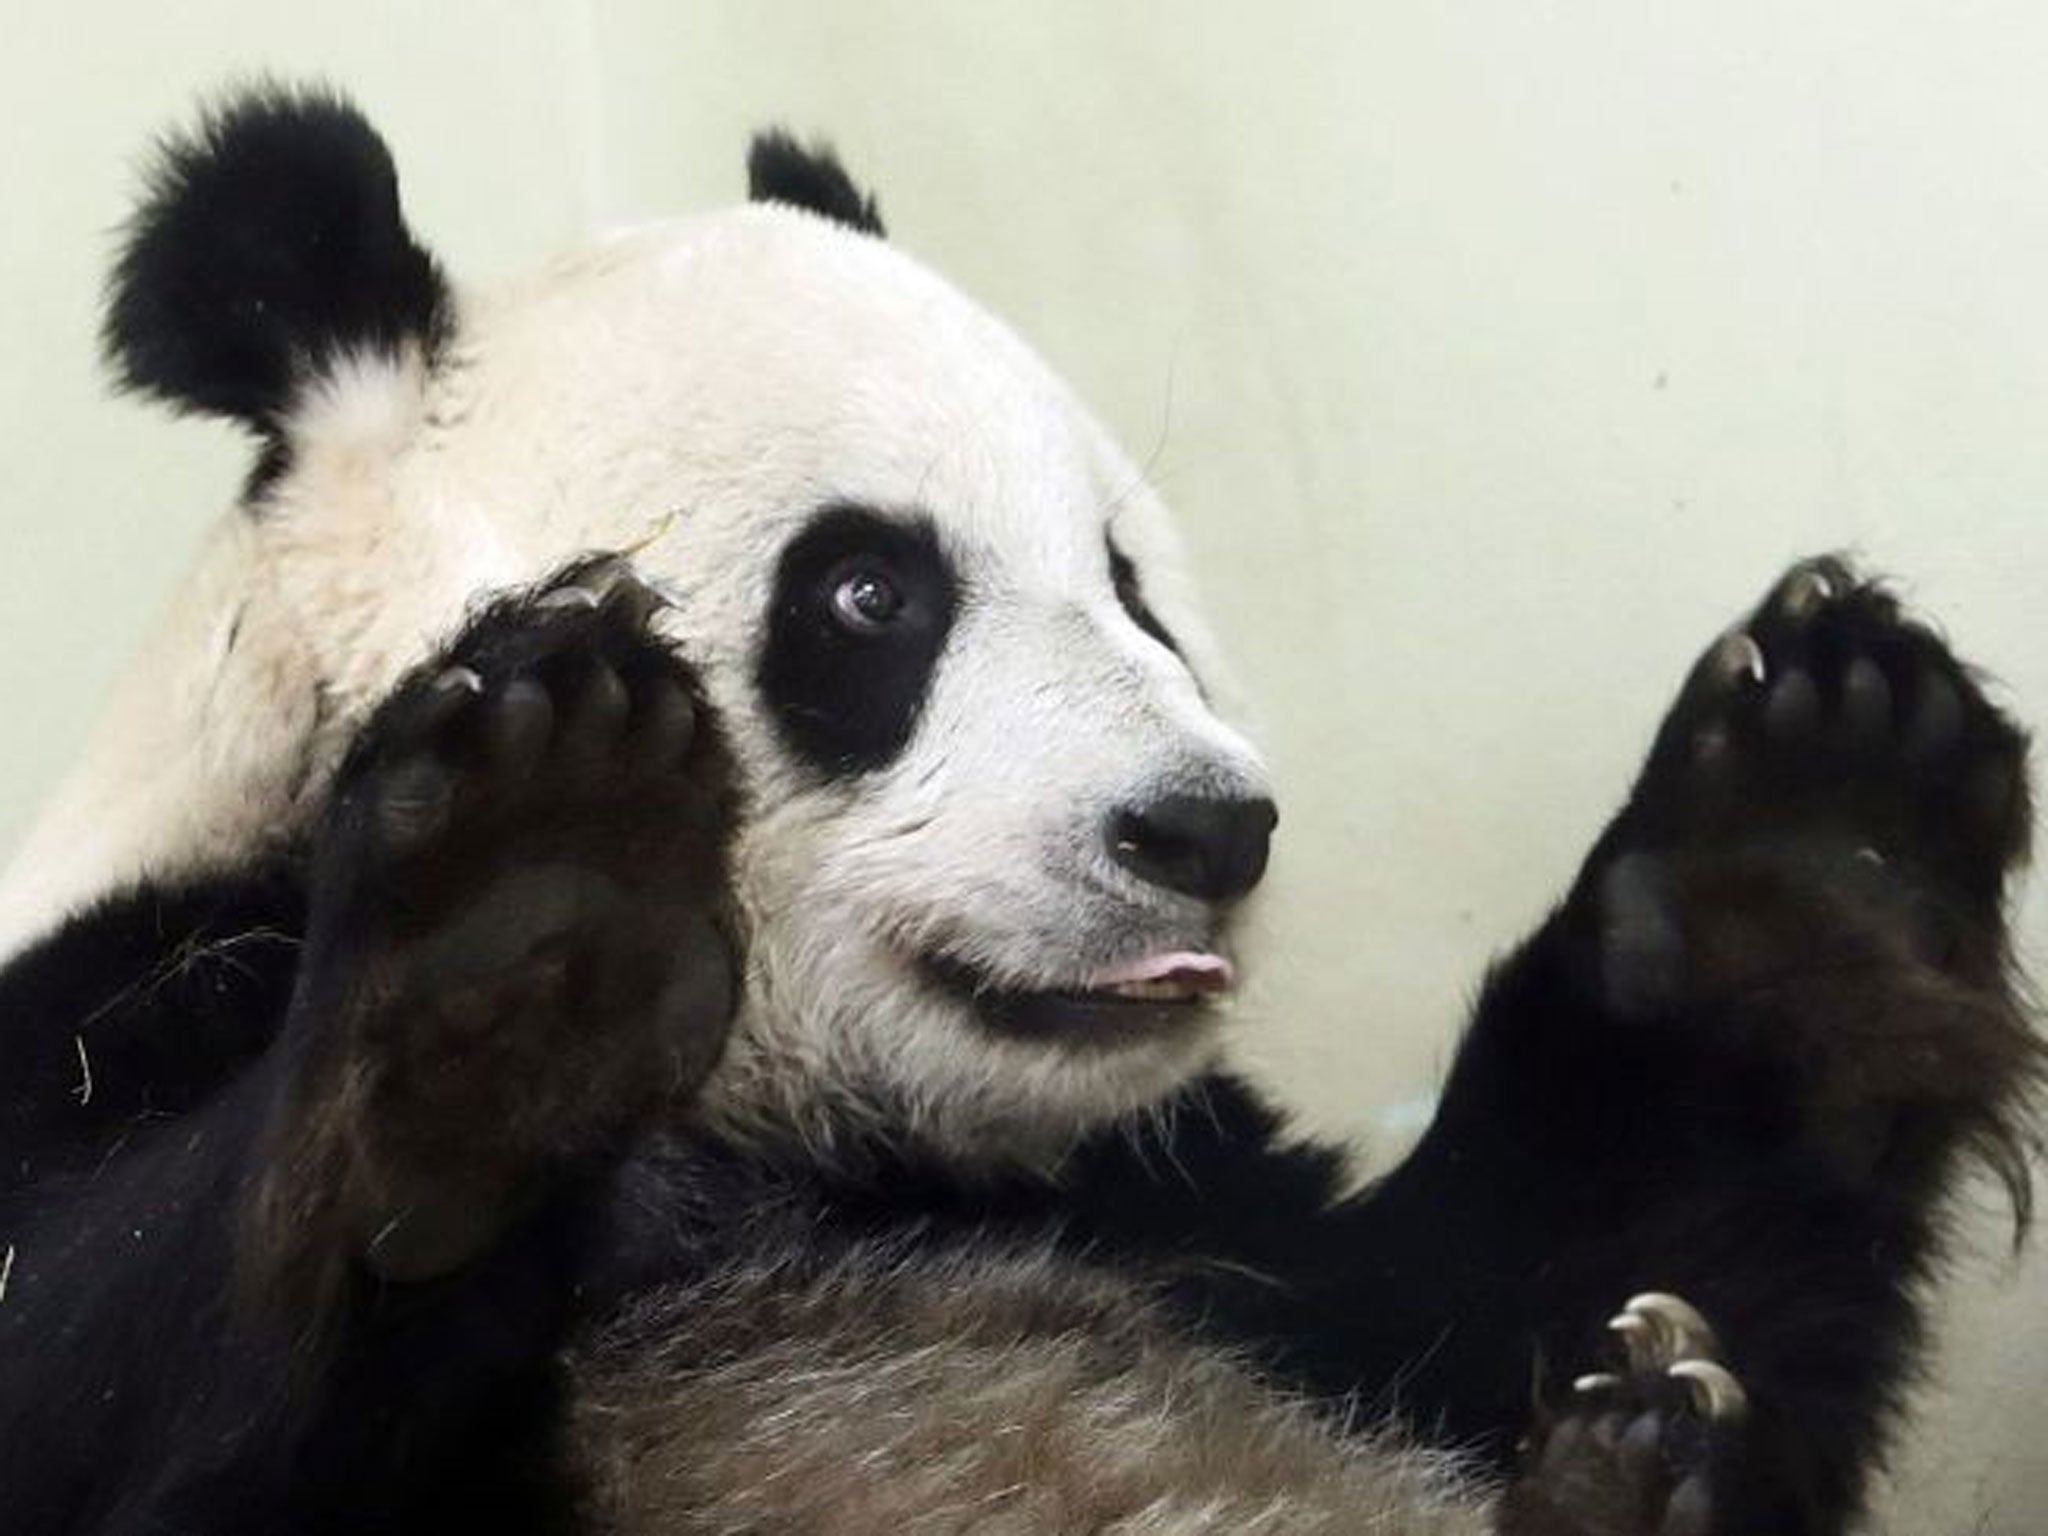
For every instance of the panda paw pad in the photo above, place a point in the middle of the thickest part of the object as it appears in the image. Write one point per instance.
(519, 930)
(1830, 713)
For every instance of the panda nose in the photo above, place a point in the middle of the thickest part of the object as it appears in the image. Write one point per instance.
(1197, 845)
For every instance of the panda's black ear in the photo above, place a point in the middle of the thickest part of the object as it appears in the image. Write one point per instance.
(780, 170)
(268, 243)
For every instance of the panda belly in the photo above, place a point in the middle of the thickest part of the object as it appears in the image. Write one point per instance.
(896, 1390)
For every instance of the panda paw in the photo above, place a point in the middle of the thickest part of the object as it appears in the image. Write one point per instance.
(518, 943)
(1648, 1447)
(1808, 880)
(1833, 717)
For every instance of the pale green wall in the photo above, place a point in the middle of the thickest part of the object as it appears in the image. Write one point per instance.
(1495, 352)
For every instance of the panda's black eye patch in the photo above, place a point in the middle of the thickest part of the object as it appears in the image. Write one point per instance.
(859, 614)
(1123, 576)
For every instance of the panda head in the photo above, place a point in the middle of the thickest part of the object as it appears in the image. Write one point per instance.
(995, 832)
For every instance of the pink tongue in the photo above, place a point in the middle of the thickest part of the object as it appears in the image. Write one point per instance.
(1187, 969)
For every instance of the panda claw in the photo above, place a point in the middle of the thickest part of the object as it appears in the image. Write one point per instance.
(604, 573)
(1809, 588)
(1737, 656)
(459, 681)
(1678, 1328)
(568, 597)
(1637, 1337)
(1594, 1382)
(1715, 1392)
(635, 600)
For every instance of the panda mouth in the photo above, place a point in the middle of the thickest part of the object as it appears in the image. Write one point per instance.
(1159, 992)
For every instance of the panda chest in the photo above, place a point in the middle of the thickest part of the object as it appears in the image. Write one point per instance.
(972, 1389)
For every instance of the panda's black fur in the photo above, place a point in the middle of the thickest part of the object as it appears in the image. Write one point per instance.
(846, 714)
(270, 243)
(782, 170)
(1743, 1060)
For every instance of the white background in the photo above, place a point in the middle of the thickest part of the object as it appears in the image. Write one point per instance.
(1496, 353)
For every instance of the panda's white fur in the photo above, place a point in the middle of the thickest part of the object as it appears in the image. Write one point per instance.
(693, 392)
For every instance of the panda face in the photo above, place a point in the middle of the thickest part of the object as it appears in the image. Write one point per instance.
(995, 834)
(942, 619)
(949, 739)
(944, 739)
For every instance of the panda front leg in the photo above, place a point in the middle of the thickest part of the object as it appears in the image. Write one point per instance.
(518, 939)
(1745, 1061)
(519, 953)
(328, 1297)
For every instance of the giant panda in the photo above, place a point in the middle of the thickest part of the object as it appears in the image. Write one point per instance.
(647, 952)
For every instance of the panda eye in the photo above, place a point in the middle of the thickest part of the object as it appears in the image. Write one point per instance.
(859, 612)
(1130, 595)
(865, 601)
